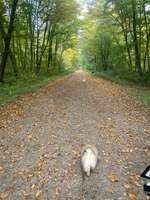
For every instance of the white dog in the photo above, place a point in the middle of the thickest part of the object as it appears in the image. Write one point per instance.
(89, 157)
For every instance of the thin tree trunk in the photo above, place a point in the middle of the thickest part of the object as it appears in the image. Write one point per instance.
(55, 53)
(25, 55)
(13, 58)
(50, 52)
(146, 53)
(136, 45)
(125, 33)
(11, 55)
(7, 41)
(37, 69)
(43, 48)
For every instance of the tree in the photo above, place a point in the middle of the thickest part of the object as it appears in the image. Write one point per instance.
(7, 41)
(127, 23)
(36, 35)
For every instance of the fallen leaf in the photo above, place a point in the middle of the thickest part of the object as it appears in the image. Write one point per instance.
(3, 195)
(57, 191)
(1, 170)
(30, 136)
(38, 193)
(33, 186)
(127, 186)
(113, 178)
(132, 196)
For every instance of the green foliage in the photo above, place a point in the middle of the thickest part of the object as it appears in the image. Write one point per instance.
(142, 95)
(115, 37)
(43, 30)
(48, 36)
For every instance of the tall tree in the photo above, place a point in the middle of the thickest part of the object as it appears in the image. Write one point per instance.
(7, 41)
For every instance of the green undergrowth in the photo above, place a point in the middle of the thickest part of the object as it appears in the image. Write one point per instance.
(142, 95)
(13, 88)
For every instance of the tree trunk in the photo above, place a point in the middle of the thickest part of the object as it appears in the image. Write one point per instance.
(124, 26)
(50, 53)
(146, 53)
(7, 41)
(136, 44)
(44, 44)
(37, 68)
(55, 53)
(11, 54)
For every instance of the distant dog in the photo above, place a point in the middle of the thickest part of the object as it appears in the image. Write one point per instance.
(89, 157)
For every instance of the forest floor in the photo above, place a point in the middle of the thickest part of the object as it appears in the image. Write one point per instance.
(42, 133)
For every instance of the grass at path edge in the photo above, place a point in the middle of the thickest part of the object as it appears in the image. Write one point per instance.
(10, 91)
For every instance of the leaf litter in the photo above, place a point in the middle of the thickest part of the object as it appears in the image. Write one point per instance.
(43, 132)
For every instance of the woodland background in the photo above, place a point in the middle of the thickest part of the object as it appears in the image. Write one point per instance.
(40, 38)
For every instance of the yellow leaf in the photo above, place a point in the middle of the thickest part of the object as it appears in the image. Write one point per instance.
(3, 195)
(38, 193)
(132, 196)
(127, 186)
(33, 186)
(113, 178)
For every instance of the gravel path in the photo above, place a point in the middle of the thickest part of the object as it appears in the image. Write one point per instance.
(41, 135)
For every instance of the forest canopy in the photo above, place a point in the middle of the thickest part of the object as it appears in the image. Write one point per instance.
(117, 37)
(37, 33)
(43, 36)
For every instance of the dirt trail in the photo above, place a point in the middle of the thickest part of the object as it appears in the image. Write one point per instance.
(40, 145)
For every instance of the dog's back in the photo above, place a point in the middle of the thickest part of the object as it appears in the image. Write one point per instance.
(89, 155)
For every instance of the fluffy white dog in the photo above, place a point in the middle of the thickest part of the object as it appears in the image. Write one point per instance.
(89, 157)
